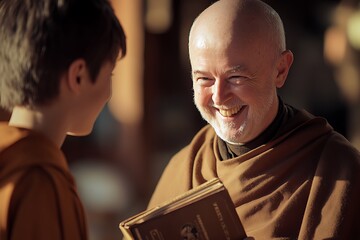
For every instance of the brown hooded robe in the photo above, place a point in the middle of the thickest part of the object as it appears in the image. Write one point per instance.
(302, 184)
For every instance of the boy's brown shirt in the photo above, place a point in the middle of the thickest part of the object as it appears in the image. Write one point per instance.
(35, 181)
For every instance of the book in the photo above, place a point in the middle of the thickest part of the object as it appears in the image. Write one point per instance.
(205, 212)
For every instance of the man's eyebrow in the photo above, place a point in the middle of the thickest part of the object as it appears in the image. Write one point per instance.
(238, 68)
(198, 72)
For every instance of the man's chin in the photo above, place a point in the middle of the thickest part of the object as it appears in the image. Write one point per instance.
(231, 136)
(224, 137)
(231, 141)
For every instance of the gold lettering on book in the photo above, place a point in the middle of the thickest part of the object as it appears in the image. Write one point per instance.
(221, 220)
(202, 227)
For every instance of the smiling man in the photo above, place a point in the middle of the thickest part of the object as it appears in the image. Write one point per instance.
(290, 175)
(235, 76)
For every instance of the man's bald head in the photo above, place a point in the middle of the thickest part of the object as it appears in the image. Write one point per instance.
(233, 20)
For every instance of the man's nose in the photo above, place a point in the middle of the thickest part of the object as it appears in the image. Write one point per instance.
(220, 92)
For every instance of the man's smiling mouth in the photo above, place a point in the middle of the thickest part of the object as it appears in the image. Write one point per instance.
(230, 111)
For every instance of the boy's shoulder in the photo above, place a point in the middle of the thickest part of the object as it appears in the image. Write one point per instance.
(23, 148)
(10, 135)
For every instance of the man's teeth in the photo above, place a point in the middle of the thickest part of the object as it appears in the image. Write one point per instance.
(229, 112)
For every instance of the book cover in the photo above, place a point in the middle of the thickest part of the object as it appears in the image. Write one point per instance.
(203, 213)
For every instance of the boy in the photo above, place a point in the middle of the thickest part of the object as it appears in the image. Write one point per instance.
(56, 62)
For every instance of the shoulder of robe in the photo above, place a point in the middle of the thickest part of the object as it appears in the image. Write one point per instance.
(340, 160)
(339, 148)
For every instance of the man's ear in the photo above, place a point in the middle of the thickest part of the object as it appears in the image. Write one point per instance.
(283, 67)
(76, 74)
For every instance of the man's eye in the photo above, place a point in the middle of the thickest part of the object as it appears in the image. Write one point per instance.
(237, 79)
(204, 81)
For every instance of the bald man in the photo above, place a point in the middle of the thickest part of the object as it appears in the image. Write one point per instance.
(289, 174)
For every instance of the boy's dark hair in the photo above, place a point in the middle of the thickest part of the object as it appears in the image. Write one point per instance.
(39, 39)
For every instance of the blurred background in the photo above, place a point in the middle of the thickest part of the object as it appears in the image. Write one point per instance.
(151, 115)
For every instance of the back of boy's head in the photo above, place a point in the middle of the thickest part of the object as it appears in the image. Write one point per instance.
(39, 39)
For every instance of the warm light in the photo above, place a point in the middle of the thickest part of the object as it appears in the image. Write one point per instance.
(334, 45)
(126, 103)
(353, 30)
(158, 17)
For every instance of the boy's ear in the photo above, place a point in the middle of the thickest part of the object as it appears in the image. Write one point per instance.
(77, 72)
(283, 67)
